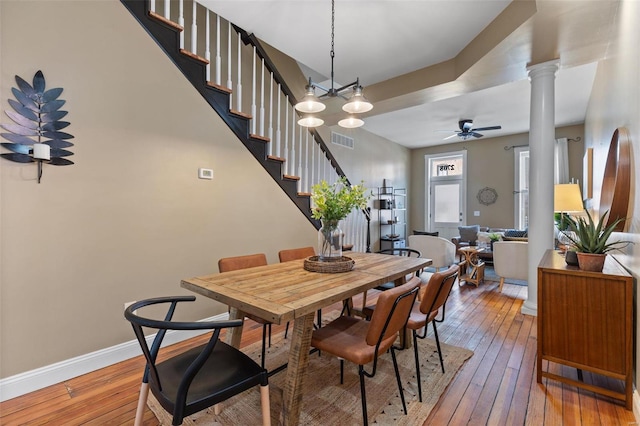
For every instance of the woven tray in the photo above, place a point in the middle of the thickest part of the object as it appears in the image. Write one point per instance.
(340, 264)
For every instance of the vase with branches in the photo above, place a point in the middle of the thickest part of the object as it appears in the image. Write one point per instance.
(331, 204)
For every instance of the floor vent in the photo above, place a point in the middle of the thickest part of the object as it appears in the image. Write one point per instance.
(342, 140)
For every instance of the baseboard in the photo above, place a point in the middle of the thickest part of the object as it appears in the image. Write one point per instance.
(39, 378)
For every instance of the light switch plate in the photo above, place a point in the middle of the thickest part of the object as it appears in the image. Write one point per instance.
(205, 173)
(476, 213)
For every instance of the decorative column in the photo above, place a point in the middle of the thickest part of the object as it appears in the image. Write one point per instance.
(541, 140)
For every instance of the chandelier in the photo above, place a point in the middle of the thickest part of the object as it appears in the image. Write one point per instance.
(311, 104)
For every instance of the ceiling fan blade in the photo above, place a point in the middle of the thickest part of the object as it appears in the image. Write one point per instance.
(449, 137)
(447, 131)
(475, 135)
(479, 129)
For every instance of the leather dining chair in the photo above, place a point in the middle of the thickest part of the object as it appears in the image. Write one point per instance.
(362, 342)
(288, 255)
(403, 251)
(228, 264)
(296, 253)
(199, 378)
(433, 297)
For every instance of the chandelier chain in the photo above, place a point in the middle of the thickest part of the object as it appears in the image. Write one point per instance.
(333, 12)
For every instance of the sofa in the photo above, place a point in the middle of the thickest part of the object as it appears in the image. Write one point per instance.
(473, 235)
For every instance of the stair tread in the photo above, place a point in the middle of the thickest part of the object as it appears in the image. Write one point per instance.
(165, 21)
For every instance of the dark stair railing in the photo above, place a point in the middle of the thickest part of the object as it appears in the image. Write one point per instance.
(304, 156)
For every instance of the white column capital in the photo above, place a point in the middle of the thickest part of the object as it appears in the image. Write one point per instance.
(549, 67)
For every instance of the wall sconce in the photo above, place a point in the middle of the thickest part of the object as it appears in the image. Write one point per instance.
(34, 135)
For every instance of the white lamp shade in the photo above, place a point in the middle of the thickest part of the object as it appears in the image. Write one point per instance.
(310, 104)
(357, 103)
(350, 122)
(310, 121)
(567, 198)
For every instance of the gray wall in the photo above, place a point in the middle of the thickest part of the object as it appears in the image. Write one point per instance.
(488, 164)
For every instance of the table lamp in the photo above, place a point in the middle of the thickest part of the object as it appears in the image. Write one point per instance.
(566, 199)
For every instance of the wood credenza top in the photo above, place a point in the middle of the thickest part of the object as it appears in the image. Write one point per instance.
(554, 261)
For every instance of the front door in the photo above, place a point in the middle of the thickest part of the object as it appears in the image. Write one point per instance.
(446, 197)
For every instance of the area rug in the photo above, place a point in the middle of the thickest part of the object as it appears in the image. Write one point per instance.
(490, 275)
(327, 402)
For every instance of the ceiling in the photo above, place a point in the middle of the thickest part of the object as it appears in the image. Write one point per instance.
(426, 64)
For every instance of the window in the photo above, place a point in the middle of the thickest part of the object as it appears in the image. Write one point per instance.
(521, 185)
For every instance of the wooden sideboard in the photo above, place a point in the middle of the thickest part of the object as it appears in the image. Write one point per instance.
(585, 321)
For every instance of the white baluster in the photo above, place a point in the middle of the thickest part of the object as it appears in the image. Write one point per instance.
(167, 9)
(262, 100)
(314, 166)
(152, 6)
(229, 81)
(218, 58)
(300, 161)
(292, 165)
(271, 116)
(239, 82)
(278, 124)
(306, 164)
(180, 19)
(207, 44)
(253, 93)
(286, 133)
(194, 31)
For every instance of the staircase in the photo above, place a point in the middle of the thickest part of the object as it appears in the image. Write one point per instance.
(263, 117)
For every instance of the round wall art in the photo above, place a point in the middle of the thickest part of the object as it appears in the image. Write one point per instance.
(487, 196)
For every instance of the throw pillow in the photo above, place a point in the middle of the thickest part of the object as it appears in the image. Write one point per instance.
(433, 234)
(469, 233)
(483, 237)
(515, 233)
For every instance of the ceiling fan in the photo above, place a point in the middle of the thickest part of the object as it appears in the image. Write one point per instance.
(466, 130)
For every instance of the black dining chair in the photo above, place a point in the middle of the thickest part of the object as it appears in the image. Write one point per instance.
(196, 379)
(402, 251)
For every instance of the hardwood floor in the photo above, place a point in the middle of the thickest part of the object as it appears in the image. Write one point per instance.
(496, 386)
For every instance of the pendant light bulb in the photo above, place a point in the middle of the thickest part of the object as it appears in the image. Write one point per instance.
(357, 103)
(350, 122)
(310, 103)
(310, 121)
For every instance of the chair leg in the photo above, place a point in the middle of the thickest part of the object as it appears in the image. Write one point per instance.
(341, 371)
(269, 334)
(264, 403)
(415, 353)
(363, 396)
(142, 402)
(435, 333)
(395, 367)
(501, 283)
(264, 343)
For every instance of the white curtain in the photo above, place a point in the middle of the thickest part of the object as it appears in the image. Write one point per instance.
(561, 161)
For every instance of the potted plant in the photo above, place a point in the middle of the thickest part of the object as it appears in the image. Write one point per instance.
(493, 238)
(332, 204)
(590, 241)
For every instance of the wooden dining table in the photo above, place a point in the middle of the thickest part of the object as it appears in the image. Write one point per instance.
(283, 292)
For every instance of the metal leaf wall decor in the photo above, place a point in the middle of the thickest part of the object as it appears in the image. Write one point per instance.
(36, 118)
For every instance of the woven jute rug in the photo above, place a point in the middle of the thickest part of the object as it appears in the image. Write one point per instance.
(327, 402)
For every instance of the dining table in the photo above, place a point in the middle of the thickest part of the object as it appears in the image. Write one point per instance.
(282, 292)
